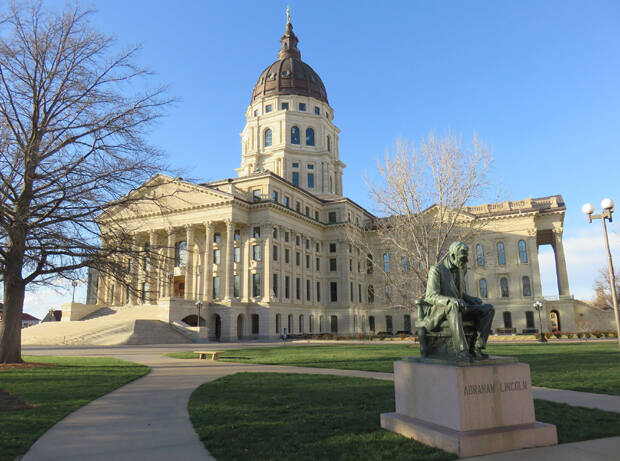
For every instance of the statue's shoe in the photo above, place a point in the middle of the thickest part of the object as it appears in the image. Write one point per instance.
(464, 356)
(479, 354)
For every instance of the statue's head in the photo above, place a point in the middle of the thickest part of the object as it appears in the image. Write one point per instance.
(457, 254)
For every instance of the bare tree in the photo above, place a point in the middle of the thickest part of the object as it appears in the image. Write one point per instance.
(422, 200)
(602, 290)
(72, 125)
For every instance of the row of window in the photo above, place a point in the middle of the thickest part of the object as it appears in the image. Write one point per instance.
(290, 329)
(295, 137)
(285, 106)
(501, 253)
(504, 289)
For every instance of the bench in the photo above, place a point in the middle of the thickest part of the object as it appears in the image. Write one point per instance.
(438, 342)
(202, 355)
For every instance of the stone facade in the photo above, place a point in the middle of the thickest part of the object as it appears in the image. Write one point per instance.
(268, 250)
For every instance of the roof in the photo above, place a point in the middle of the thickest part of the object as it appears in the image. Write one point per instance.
(28, 317)
(289, 74)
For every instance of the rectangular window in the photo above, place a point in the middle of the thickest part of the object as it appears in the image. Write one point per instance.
(276, 277)
(255, 112)
(333, 266)
(307, 261)
(256, 195)
(275, 252)
(331, 217)
(350, 265)
(318, 292)
(351, 291)
(274, 196)
(237, 235)
(217, 237)
(287, 287)
(359, 293)
(256, 252)
(308, 290)
(216, 256)
(297, 240)
(318, 264)
(236, 281)
(318, 247)
(310, 180)
(388, 323)
(317, 111)
(255, 328)
(268, 108)
(287, 255)
(310, 166)
(529, 320)
(216, 287)
(295, 165)
(297, 258)
(302, 106)
(307, 211)
(237, 254)
(295, 178)
(275, 233)
(298, 207)
(285, 106)
(287, 201)
(307, 244)
(255, 285)
(316, 215)
(332, 247)
(286, 237)
(333, 291)
(256, 232)
(298, 288)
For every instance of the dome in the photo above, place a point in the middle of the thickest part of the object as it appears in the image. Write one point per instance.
(289, 74)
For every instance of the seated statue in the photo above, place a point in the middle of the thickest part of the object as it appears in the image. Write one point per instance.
(451, 322)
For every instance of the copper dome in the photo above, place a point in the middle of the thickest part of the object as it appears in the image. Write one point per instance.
(289, 74)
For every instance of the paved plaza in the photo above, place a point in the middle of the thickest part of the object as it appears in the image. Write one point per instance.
(148, 418)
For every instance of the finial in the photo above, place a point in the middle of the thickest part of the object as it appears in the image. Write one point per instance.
(288, 14)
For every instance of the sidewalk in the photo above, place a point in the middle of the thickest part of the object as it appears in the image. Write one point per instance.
(148, 419)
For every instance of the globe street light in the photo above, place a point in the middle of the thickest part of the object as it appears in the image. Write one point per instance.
(608, 208)
(73, 284)
(538, 306)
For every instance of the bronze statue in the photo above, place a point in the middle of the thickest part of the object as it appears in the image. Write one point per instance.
(447, 309)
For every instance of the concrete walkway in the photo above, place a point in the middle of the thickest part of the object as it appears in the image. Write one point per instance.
(148, 419)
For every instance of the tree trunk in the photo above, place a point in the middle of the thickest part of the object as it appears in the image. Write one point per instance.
(10, 327)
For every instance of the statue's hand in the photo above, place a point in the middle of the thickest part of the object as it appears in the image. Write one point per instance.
(462, 305)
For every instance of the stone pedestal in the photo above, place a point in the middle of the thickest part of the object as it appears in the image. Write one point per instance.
(470, 410)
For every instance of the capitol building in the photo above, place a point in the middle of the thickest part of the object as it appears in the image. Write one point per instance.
(267, 251)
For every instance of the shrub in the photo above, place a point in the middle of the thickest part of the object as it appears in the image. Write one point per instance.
(605, 334)
(337, 337)
(557, 334)
(597, 333)
(403, 336)
(547, 334)
(327, 336)
(613, 334)
(315, 336)
(537, 336)
(359, 336)
(381, 337)
(370, 336)
(348, 337)
(579, 334)
(570, 335)
(587, 335)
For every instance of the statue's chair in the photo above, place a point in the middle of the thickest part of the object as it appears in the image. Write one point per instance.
(438, 342)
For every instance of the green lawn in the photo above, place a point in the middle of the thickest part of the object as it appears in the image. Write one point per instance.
(588, 367)
(308, 417)
(55, 392)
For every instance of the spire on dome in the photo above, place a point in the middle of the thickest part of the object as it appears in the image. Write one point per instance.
(289, 40)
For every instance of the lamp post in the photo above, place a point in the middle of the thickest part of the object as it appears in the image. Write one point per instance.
(74, 284)
(198, 307)
(538, 306)
(608, 208)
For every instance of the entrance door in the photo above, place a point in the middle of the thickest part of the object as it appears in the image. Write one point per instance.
(554, 320)
(218, 327)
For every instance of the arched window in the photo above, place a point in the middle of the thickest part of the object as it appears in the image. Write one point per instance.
(388, 323)
(527, 286)
(309, 137)
(503, 285)
(479, 255)
(268, 135)
(386, 262)
(329, 143)
(294, 135)
(522, 252)
(484, 292)
(371, 294)
(334, 324)
(501, 254)
(180, 253)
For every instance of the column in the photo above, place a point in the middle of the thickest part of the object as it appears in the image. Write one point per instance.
(281, 286)
(302, 241)
(267, 238)
(293, 268)
(313, 271)
(208, 262)
(168, 264)
(560, 263)
(152, 268)
(532, 249)
(135, 268)
(228, 282)
(189, 264)
(246, 234)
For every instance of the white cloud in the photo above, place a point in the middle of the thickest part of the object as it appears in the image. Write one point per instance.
(585, 255)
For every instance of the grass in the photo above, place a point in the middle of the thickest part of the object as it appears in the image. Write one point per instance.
(308, 417)
(55, 392)
(587, 367)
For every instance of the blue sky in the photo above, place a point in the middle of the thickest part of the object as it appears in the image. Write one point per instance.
(537, 81)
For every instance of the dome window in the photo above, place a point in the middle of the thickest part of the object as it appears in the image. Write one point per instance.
(329, 144)
(286, 74)
(302, 106)
(294, 135)
(285, 106)
(268, 136)
(268, 108)
(300, 75)
(313, 78)
(272, 76)
(310, 137)
(317, 110)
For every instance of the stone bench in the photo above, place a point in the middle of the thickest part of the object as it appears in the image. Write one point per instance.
(438, 342)
(202, 355)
